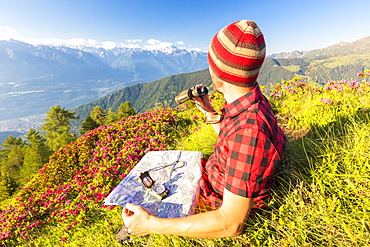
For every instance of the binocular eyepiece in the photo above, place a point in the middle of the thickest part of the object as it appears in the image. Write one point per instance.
(190, 93)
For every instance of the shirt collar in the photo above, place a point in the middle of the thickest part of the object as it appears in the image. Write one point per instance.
(243, 103)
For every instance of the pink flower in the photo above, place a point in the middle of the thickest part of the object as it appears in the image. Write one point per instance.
(353, 83)
(326, 101)
(276, 95)
(24, 234)
(63, 239)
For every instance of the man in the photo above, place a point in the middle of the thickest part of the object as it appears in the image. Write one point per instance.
(249, 146)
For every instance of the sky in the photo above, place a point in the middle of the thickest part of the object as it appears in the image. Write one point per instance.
(287, 25)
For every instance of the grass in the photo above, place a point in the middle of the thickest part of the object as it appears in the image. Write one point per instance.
(330, 207)
(292, 68)
(322, 191)
(348, 59)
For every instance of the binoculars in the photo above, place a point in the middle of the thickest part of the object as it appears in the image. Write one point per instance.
(190, 93)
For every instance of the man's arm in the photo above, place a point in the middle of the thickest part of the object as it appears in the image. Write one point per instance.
(205, 107)
(226, 221)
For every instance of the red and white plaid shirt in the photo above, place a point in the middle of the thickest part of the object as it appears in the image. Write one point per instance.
(249, 146)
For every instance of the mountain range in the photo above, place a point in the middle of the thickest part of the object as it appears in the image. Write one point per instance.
(361, 46)
(34, 78)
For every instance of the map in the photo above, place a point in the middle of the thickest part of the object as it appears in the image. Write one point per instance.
(178, 172)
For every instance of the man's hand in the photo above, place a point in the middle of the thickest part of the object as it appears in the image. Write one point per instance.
(136, 219)
(203, 103)
(227, 221)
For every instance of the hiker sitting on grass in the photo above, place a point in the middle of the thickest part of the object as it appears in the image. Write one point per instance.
(250, 144)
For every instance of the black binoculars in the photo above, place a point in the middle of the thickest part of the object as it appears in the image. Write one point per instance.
(190, 93)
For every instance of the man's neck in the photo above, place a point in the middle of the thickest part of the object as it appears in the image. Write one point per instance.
(233, 92)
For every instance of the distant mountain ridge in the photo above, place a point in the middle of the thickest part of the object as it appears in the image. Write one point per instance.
(34, 78)
(315, 67)
(288, 55)
(361, 46)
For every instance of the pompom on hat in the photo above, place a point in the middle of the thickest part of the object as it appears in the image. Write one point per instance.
(236, 53)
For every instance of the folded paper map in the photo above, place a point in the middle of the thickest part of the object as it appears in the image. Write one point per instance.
(177, 171)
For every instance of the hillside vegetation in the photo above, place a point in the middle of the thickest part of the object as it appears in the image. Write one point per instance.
(338, 62)
(321, 197)
(146, 96)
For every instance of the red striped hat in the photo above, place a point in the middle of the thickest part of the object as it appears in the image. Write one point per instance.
(237, 52)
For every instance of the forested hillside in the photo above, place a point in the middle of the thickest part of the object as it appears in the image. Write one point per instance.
(145, 96)
(337, 62)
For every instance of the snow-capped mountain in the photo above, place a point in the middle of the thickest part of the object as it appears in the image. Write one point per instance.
(34, 78)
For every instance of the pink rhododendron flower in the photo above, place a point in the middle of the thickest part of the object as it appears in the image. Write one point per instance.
(87, 167)
(276, 95)
(326, 101)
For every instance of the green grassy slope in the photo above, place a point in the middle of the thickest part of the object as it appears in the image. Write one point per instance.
(321, 197)
(315, 69)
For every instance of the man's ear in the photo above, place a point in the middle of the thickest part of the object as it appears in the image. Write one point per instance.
(217, 82)
(219, 85)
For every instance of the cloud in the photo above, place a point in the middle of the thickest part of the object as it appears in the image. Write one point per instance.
(195, 49)
(132, 46)
(189, 48)
(154, 44)
(74, 43)
(78, 42)
(7, 33)
(134, 40)
(108, 45)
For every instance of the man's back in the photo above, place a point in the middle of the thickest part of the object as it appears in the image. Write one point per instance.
(249, 146)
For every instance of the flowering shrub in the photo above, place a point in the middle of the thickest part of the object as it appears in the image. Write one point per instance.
(68, 189)
(302, 105)
(327, 206)
(365, 74)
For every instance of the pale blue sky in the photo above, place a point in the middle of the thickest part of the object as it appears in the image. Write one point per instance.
(287, 25)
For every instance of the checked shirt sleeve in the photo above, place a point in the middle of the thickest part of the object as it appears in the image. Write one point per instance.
(250, 163)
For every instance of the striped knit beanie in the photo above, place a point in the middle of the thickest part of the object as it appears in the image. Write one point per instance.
(237, 52)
